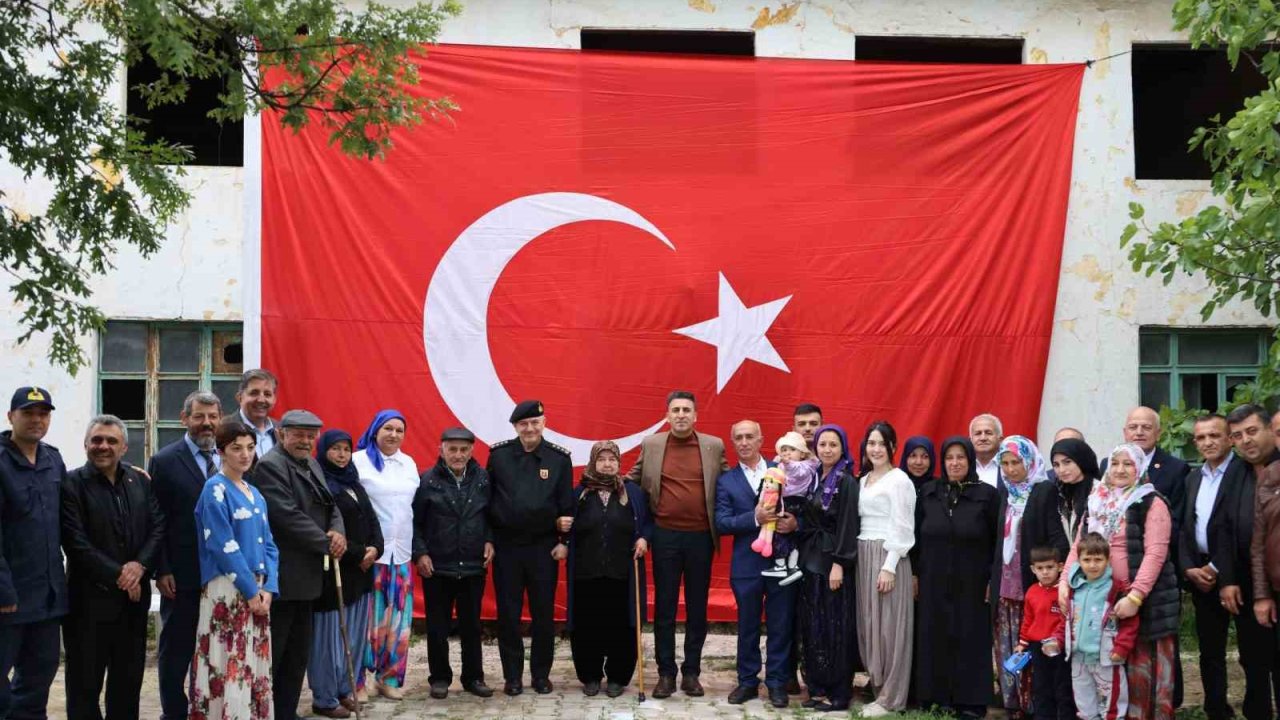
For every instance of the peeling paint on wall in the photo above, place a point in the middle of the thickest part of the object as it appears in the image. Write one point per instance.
(784, 15)
(1089, 269)
(1101, 49)
(1183, 301)
(1127, 303)
(1188, 202)
(1038, 57)
(705, 6)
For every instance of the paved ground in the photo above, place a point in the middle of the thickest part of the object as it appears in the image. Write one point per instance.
(719, 675)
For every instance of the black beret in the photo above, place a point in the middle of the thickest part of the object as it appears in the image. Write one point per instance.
(457, 433)
(525, 410)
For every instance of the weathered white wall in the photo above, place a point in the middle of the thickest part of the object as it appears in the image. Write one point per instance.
(1092, 375)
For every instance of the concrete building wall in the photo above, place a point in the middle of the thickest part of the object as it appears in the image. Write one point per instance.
(1092, 375)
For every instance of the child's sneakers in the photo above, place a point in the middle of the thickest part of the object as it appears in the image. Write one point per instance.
(779, 570)
(793, 569)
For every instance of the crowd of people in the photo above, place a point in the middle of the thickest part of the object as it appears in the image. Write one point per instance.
(946, 573)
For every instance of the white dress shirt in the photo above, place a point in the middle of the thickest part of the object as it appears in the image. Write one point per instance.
(755, 475)
(264, 438)
(989, 473)
(887, 510)
(391, 493)
(1210, 484)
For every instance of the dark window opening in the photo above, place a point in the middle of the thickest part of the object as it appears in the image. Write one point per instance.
(902, 48)
(1176, 90)
(688, 42)
(187, 122)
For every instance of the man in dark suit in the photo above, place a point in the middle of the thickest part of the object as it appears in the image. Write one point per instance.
(111, 532)
(679, 469)
(178, 473)
(1255, 448)
(1206, 489)
(737, 514)
(1167, 473)
(306, 528)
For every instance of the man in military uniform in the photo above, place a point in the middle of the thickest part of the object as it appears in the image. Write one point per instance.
(530, 511)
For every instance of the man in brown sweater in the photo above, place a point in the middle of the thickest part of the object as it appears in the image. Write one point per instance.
(678, 469)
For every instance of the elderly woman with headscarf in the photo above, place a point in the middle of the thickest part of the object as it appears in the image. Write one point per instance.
(918, 460)
(1134, 518)
(1021, 468)
(957, 527)
(828, 552)
(331, 691)
(1057, 508)
(608, 541)
(391, 479)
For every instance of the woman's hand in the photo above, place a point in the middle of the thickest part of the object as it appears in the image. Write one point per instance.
(370, 557)
(488, 554)
(564, 524)
(1125, 609)
(836, 579)
(1064, 599)
(885, 581)
(642, 547)
(560, 552)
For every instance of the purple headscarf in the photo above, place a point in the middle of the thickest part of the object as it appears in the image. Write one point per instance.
(831, 481)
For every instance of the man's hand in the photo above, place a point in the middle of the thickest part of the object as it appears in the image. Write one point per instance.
(564, 524)
(786, 524)
(560, 552)
(425, 568)
(337, 543)
(370, 557)
(1201, 578)
(488, 554)
(135, 593)
(130, 574)
(765, 515)
(1231, 598)
(8, 609)
(642, 547)
(167, 587)
(1264, 611)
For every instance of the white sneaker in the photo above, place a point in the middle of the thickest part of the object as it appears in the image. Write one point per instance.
(777, 571)
(872, 710)
(794, 576)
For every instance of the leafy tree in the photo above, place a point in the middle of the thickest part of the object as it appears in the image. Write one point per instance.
(1234, 243)
(112, 182)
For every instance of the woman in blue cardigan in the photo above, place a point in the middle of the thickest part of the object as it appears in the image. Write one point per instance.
(611, 531)
(231, 671)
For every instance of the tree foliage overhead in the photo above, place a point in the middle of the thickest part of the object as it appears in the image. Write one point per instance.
(1235, 243)
(351, 70)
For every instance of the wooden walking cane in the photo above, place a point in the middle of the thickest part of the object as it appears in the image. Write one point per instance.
(635, 561)
(342, 627)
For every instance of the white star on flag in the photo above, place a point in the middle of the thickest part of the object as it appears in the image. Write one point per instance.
(739, 333)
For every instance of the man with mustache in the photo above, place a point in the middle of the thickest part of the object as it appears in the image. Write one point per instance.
(257, 398)
(178, 474)
(306, 527)
(111, 532)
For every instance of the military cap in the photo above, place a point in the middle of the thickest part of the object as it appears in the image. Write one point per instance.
(301, 419)
(525, 410)
(25, 397)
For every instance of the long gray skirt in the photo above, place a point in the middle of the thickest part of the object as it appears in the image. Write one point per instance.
(885, 623)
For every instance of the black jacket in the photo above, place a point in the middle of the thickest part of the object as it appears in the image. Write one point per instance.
(362, 530)
(31, 572)
(451, 519)
(1042, 523)
(100, 538)
(300, 510)
(1188, 551)
(1235, 531)
(176, 481)
(530, 490)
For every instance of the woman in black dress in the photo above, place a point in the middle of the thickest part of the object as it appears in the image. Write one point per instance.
(1056, 509)
(957, 526)
(828, 607)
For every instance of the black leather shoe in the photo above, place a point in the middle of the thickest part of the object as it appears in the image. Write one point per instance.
(778, 697)
(841, 706)
(665, 688)
(479, 689)
(742, 693)
(614, 689)
(793, 686)
(812, 703)
(439, 691)
(512, 688)
(591, 689)
(542, 686)
(690, 686)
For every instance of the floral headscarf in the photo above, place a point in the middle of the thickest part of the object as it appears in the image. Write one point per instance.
(1107, 504)
(592, 480)
(1019, 491)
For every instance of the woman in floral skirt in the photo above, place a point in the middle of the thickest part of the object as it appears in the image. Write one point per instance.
(231, 671)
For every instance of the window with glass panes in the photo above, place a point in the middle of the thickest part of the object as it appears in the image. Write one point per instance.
(1199, 367)
(146, 370)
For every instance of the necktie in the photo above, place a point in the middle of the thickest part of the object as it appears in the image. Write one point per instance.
(210, 469)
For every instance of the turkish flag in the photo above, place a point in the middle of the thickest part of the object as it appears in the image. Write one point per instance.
(594, 230)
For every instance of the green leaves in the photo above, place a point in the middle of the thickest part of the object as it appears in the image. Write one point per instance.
(351, 70)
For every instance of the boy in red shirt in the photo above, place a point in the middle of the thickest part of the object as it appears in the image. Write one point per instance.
(1041, 626)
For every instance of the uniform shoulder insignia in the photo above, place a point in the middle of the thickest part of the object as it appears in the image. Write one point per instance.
(502, 443)
(562, 450)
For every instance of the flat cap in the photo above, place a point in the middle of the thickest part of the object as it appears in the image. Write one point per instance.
(457, 433)
(525, 410)
(301, 419)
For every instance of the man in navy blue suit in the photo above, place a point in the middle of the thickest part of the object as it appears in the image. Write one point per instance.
(178, 473)
(737, 492)
(1167, 473)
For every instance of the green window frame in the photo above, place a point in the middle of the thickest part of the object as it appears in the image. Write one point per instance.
(146, 369)
(1198, 366)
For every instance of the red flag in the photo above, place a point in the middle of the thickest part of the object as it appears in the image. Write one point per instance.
(594, 230)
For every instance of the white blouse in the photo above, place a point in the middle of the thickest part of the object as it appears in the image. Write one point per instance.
(391, 494)
(887, 510)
